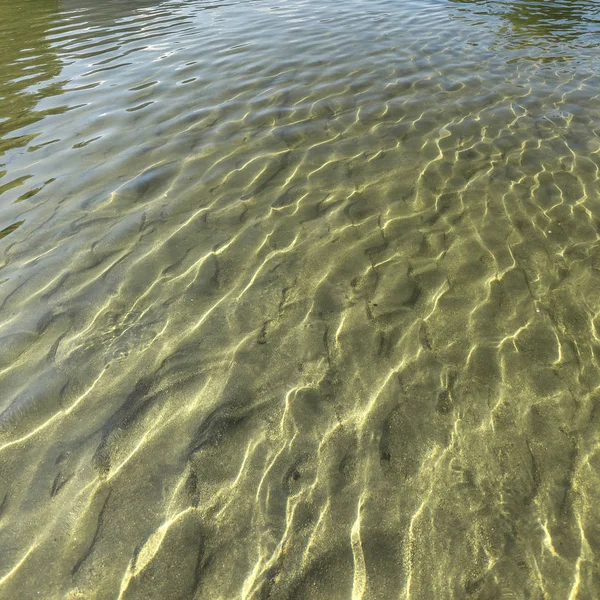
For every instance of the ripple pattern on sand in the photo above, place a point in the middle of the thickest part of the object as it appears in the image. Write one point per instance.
(298, 300)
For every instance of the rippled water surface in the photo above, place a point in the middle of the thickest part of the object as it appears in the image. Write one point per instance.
(299, 299)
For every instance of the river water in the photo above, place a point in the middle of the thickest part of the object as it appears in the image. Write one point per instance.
(299, 299)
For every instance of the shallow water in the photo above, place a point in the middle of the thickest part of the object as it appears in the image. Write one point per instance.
(299, 299)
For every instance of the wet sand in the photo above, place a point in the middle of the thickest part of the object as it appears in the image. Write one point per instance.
(299, 301)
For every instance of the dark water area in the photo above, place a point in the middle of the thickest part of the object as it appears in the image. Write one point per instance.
(300, 299)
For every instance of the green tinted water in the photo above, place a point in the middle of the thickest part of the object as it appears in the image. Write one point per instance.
(299, 299)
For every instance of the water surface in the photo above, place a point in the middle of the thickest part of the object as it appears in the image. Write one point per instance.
(299, 299)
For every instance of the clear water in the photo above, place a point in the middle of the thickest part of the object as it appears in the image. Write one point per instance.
(299, 299)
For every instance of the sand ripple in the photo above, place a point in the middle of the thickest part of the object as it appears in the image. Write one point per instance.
(299, 299)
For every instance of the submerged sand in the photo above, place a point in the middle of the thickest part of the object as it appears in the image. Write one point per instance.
(300, 301)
